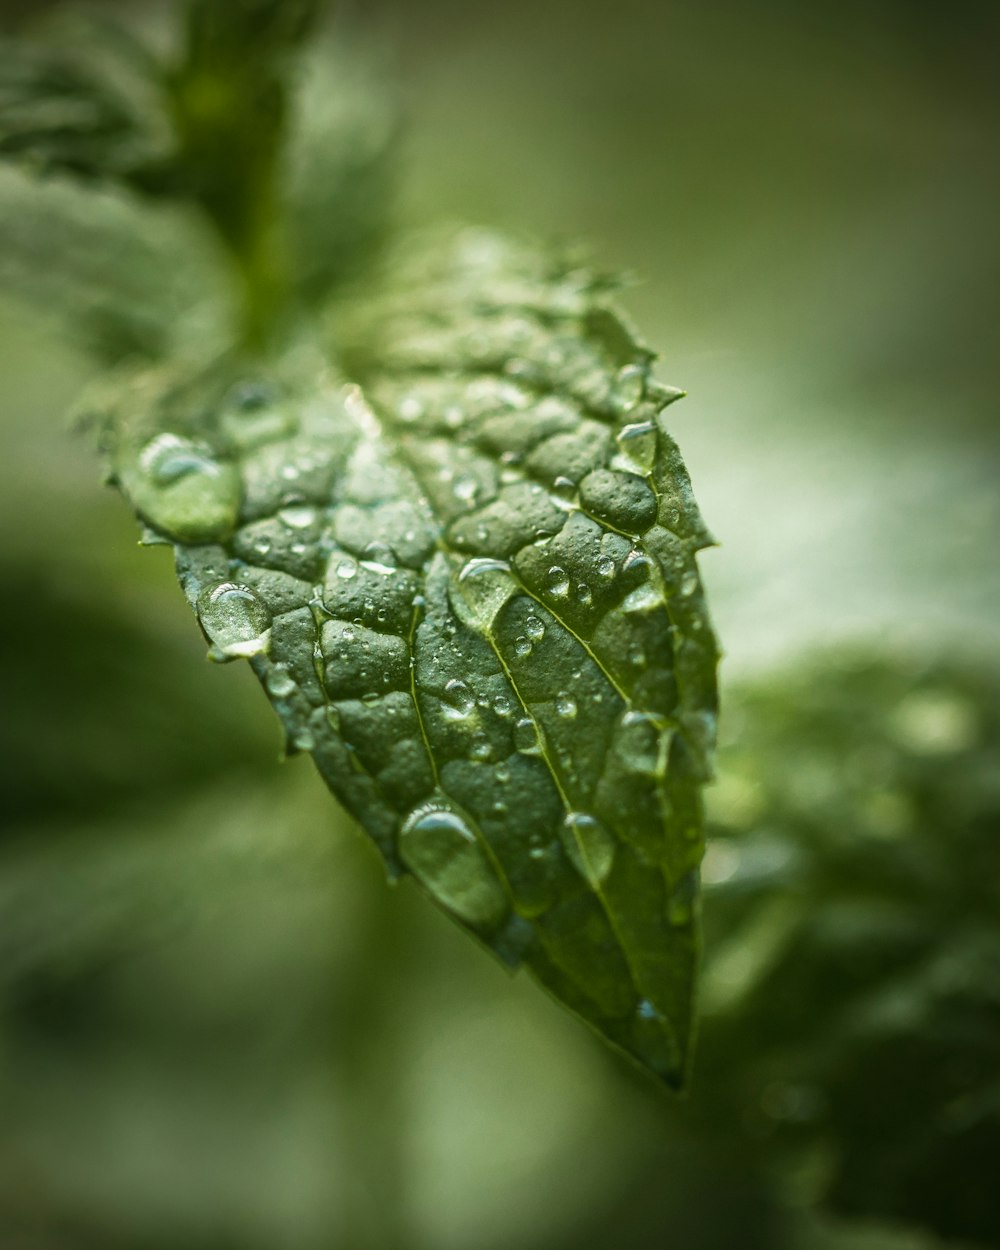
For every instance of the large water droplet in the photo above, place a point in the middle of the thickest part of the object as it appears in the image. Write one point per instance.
(558, 582)
(182, 488)
(628, 387)
(440, 849)
(235, 618)
(589, 846)
(459, 700)
(637, 444)
(379, 558)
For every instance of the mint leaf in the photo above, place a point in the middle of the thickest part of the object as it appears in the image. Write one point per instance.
(118, 273)
(83, 102)
(469, 588)
(851, 989)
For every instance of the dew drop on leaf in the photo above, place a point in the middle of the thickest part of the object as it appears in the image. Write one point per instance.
(565, 705)
(589, 846)
(236, 620)
(441, 851)
(279, 682)
(558, 582)
(459, 699)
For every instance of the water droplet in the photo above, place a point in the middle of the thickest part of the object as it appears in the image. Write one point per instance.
(182, 488)
(638, 744)
(279, 682)
(236, 620)
(629, 387)
(605, 567)
(589, 846)
(522, 647)
(347, 568)
(564, 487)
(534, 629)
(565, 705)
(262, 546)
(303, 740)
(526, 738)
(585, 594)
(502, 773)
(379, 558)
(481, 749)
(503, 706)
(465, 487)
(298, 516)
(558, 582)
(440, 849)
(637, 443)
(459, 700)
(482, 564)
(689, 583)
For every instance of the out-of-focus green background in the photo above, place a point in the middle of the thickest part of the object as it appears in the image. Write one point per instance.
(218, 1026)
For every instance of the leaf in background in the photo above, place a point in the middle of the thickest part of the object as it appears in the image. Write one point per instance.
(338, 164)
(852, 982)
(470, 592)
(121, 274)
(82, 101)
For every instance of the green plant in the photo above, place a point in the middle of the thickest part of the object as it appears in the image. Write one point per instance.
(425, 488)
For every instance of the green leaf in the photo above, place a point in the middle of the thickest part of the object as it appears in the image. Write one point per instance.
(337, 167)
(852, 981)
(83, 102)
(468, 585)
(120, 274)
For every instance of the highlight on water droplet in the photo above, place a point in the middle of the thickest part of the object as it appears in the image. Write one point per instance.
(235, 618)
(480, 565)
(438, 846)
(589, 847)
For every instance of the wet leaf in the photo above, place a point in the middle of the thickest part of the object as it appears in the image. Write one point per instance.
(467, 581)
(852, 980)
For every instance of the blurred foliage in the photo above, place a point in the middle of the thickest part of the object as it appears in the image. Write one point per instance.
(852, 996)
